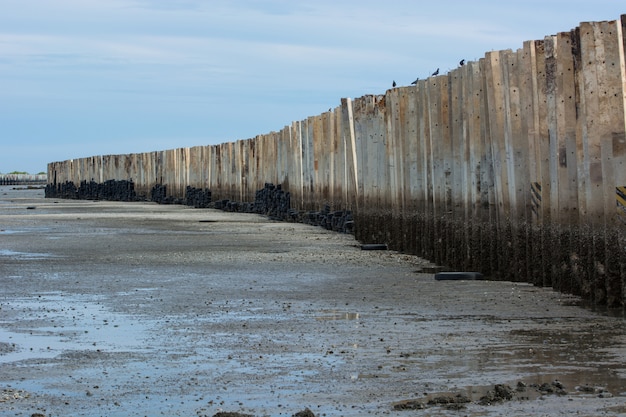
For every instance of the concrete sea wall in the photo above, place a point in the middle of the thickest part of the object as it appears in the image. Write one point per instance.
(513, 165)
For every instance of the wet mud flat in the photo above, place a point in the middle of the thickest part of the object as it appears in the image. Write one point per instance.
(138, 309)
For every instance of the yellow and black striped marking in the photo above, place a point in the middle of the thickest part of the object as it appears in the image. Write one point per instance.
(620, 197)
(535, 197)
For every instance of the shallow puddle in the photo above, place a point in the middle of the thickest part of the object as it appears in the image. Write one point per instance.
(23, 255)
(54, 323)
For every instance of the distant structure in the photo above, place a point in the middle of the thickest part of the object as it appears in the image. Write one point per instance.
(23, 179)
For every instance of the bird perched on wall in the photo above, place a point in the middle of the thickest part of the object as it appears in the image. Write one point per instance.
(436, 72)
(415, 82)
(462, 62)
(394, 84)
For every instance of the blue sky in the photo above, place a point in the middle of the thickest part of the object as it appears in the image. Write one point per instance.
(93, 77)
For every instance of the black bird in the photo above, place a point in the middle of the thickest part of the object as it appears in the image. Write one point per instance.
(462, 62)
(394, 84)
(436, 72)
(415, 82)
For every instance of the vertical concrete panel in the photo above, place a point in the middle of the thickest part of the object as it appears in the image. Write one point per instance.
(308, 156)
(530, 133)
(520, 186)
(350, 187)
(471, 145)
(591, 55)
(244, 158)
(380, 194)
(272, 164)
(230, 174)
(426, 230)
(194, 167)
(130, 167)
(359, 118)
(363, 111)
(610, 105)
(530, 107)
(227, 170)
(395, 126)
(238, 171)
(611, 82)
(170, 172)
(253, 165)
(506, 92)
(566, 130)
(316, 139)
(284, 144)
(107, 166)
(215, 171)
(497, 158)
(295, 174)
(437, 168)
(413, 181)
(366, 140)
(497, 108)
(323, 156)
(206, 167)
(518, 165)
(338, 160)
(595, 193)
(456, 225)
(145, 179)
(510, 106)
(405, 129)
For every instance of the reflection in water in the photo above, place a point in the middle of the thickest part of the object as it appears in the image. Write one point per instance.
(338, 315)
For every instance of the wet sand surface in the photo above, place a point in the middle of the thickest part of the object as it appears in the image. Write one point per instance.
(137, 309)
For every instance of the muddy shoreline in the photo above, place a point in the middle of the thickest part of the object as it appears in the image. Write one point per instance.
(133, 309)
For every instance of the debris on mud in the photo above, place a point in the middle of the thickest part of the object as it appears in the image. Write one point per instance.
(500, 393)
(555, 387)
(601, 392)
(6, 347)
(409, 405)
(304, 413)
(10, 394)
(451, 402)
(496, 395)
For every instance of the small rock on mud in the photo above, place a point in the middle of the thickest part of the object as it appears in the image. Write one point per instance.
(304, 413)
(499, 394)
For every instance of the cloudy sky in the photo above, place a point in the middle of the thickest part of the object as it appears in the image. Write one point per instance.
(92, 77)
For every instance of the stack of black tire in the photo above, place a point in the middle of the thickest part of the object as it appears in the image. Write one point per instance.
(272, 201)
(197, 197)
(112, 190)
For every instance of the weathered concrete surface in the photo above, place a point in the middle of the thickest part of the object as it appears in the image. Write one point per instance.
(133, 309)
